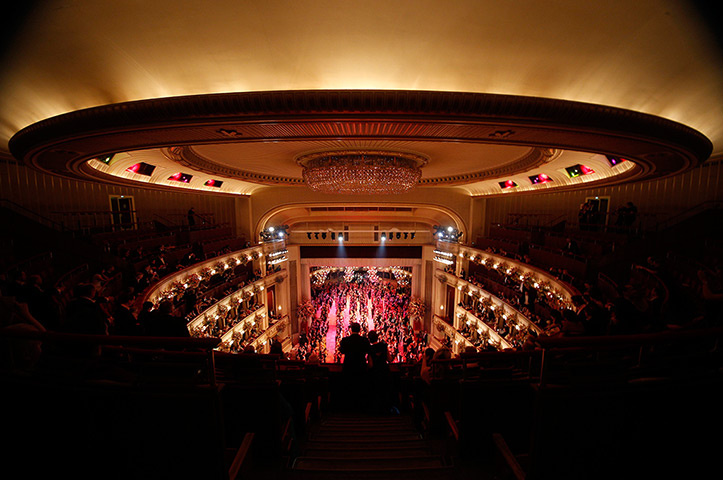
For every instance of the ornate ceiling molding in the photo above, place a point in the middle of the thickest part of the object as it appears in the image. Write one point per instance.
(61, 144)
(187, 156)
(533, 159)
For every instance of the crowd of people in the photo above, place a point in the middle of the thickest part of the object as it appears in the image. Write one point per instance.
(637, 306)
(519, 294)
(590, 217)
(379, 305)
(107, 302)
(643, 303)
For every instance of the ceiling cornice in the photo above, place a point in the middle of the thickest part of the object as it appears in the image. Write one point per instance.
(61, 144)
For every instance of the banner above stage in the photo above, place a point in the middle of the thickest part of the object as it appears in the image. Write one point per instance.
(360, 251)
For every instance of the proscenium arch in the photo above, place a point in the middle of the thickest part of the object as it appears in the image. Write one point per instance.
(263, 221)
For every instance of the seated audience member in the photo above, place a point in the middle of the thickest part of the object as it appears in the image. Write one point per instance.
(41, 304)
(124, 321)
(18, 352)
(140, 283)
(14, 314)
(84, 314)
(16, 286)
(571, 324)
(98, 282)
(571, 246)
(144, 316)
(711, 294)
(276, 347)
(313, 357)
(426, 371)
(440, 370)
(164, 324)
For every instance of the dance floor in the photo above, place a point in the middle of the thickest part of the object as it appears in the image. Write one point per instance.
(343, 325)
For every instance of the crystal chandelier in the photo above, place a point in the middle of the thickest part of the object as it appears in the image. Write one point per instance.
(361, 172)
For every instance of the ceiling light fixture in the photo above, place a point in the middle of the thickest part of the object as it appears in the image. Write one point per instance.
(361, 172)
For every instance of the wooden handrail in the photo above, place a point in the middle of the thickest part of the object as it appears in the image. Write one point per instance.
(454, 430)
(68, 275)
(628, 340)
(536, 271)
(206, 343)
(685, 214)
(176, 346)
(27, 262)
(27, 212)
(658, 280)
(508, 457)
(241, 454)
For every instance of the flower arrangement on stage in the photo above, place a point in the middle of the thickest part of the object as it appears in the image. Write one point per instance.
(305, 309)
(417, 307)
(319, 275)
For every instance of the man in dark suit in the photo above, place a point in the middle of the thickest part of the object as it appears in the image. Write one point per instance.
(41, 304)
(355, 349)
(164, 324)
(84, 315)
(572, 247)
(124, 321)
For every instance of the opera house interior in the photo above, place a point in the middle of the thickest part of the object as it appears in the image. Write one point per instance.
(316, 239)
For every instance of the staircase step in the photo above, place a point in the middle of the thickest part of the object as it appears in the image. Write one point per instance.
(369, 451)
(363, 420)
(386, 421)
(358, 414)
(338, 445)
(365, 464)
(322, 445)
(381, 430)
(363, 437)
(434, 473)
(368, 447)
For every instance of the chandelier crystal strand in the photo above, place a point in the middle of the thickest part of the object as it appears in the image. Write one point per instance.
(362, 173)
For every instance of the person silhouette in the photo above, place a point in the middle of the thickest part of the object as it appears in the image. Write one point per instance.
(354, 348)
(379, 375)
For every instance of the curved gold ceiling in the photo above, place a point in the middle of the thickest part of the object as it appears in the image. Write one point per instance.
(650, 56)
(69, 143)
